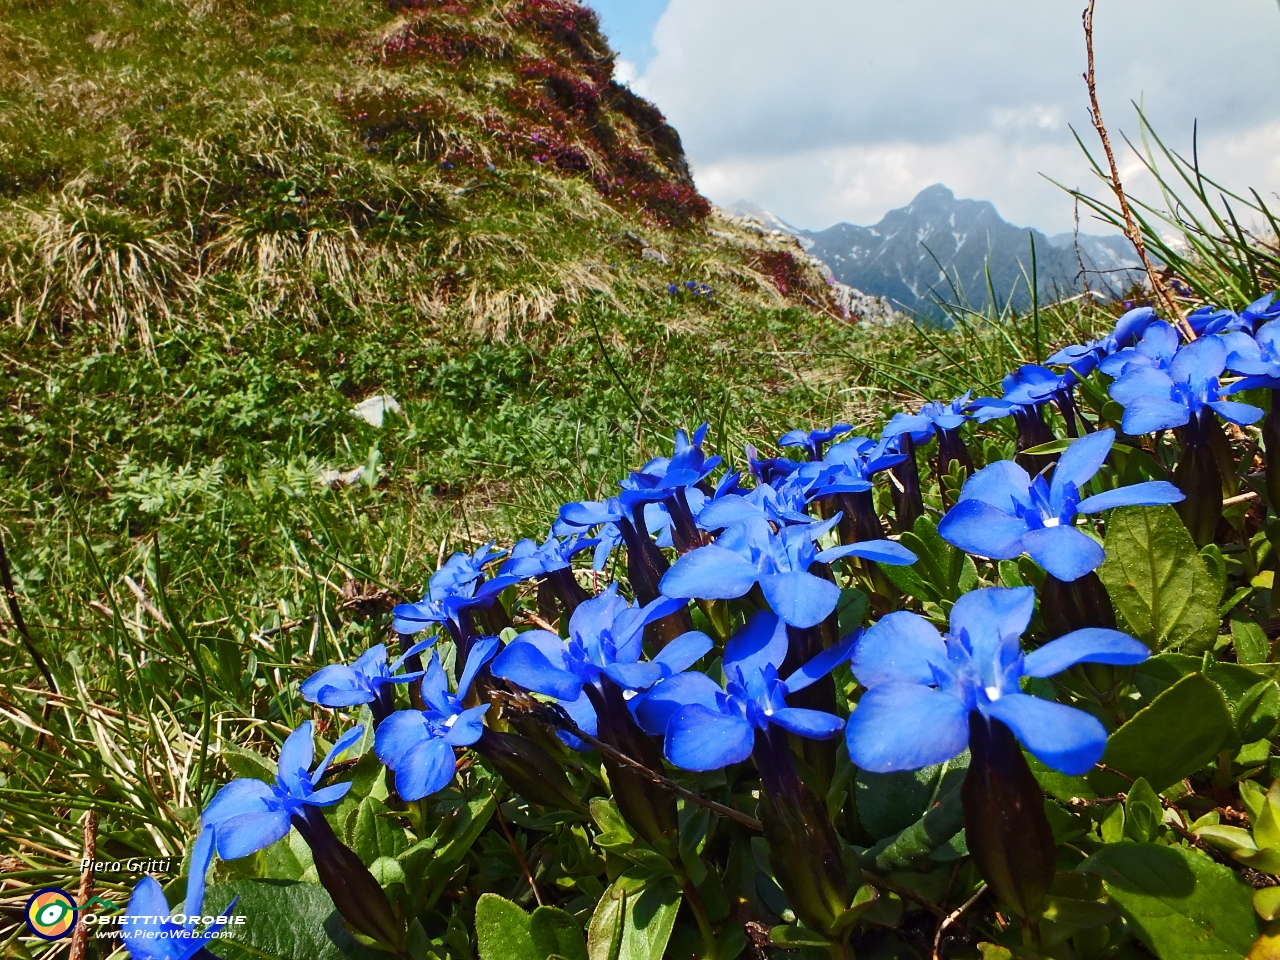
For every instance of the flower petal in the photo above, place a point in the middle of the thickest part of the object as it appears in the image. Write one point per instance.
(1152, 493)
(977, 527)
(684, 651)
(1080, 461)
(1239, 413)
(634, 676)
(656, 707)
(424, 770)
(703, 739)
(1061, 737)
(250, 832)
(905, 726)
(994, 618)
(296, 755)
(1090, 645)
(242, 795)
(1065, 552)
(1002, 484)
(762, 641)
(709, 573)
(343, 743)
(201, 857)
(337, 677)
(467, 729)
(435, 685)
(901, 647)
(881, 551)
(481, 652)
(329, 795)
(1149, 414)
(814, 724)
(398, 734)
(524, 664)
(800, 599)
(820, 664)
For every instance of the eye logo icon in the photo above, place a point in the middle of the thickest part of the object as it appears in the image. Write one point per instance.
(51, 913)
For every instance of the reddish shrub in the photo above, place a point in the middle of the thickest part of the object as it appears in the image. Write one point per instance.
(781, 268)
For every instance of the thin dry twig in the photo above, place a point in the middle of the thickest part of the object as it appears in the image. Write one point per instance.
(951, 918)
(86, 881)
(1130, 226)
(520, 857)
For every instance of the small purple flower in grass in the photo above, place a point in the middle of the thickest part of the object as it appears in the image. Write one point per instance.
(750, 553)
(418, 744)
(1004, 513)
(148, 936)
(606, 634)
(248, 815)
(707, 728)
(922, 686)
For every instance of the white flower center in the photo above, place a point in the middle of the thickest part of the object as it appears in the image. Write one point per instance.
(452, 720)
(1052, 522)
(994, 693)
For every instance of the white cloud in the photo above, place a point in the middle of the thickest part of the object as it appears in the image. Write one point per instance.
(826, 110)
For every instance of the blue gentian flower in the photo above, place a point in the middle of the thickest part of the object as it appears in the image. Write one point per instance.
(458, 586)
(147, 937)
(248, 815)
(605, 517)
(530, 559)
(707, 728)
(1083, 358)
(781, 505)
(769, 469)
(813, 440)
(606, 634)
(1156, 349)
(1003, 512)
(1157, 400)
(922, 687)
(934, 417)
(367, 680)
(1257, 357)
(1209, 320)
(418, 744)
(751, 553)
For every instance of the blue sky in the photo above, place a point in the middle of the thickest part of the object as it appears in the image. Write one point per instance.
(829, 110)
(629, 25)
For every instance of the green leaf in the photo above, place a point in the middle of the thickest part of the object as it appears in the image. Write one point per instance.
(1180, 904)
(557, 934)
(1159, 582)
(634, 918)
(376, 834)
(1267, 902)
(1173, 737)
(502, 930)
(940, 824)
(890, 802)
(851, 610)
(284, 920)
(1250, 640)
(1142, 812)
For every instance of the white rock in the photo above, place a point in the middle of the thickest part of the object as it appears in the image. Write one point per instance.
(372, 409)
(650, 253)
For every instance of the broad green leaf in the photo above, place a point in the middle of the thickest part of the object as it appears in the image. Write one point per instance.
(1251, 641)
(939, 825)
(1159, 582)
(1267, 902)
(851, 610)
(376, 834)
(1181, 904)
(502, 930)
(557, 934)
(247, 763)
(284, 920)
(634, 918)
(890, 802)
(1173, 737)
(1142, 812)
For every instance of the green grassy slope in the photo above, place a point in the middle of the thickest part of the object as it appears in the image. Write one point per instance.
(223, 223)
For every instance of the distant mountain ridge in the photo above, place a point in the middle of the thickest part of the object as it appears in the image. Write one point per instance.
(899, 257)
